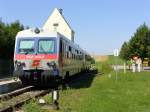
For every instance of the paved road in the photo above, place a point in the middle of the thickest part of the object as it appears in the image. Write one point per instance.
(120, 67)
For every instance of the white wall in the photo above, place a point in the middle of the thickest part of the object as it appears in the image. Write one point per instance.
(62, 28)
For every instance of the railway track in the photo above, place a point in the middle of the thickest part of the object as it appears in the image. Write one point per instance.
(14, 93)
(8, 79)
(5, 79)
(15, 99)
(9, 101)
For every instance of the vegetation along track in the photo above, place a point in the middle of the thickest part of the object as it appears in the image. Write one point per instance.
(17, 98)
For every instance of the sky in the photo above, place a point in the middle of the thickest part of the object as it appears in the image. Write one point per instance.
(100, 25)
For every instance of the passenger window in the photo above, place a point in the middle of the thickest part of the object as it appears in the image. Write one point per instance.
(70, 48)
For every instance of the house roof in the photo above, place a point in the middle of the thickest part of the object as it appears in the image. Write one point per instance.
(61, 15)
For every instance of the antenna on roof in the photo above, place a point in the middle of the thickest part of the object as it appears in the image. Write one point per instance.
(61, 10)
(37, 30)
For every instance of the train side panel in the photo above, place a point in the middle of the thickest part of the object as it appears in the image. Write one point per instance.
(71, 58)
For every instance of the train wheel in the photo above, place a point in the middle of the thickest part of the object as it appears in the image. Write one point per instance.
(23, 81)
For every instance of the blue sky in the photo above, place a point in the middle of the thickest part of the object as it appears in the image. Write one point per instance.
(100, 25)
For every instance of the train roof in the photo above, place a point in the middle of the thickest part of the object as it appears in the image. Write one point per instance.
(44, 33)
(32, 33)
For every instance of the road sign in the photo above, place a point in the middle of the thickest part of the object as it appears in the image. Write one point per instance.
(116, 52)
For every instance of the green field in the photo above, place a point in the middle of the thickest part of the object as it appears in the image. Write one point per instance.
(112, 60)
(102, 93)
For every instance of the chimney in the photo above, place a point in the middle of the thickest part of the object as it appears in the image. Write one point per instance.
(61, 10)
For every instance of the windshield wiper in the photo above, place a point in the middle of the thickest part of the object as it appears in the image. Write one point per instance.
(43, 50)
(27, 51)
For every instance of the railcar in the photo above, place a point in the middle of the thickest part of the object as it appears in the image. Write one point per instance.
(41, 57)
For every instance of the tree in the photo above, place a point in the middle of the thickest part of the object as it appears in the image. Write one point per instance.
(139, 44)
(7, 38)
(124, 52)
(146, 41)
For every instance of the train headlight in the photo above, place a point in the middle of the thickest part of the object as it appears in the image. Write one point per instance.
(19, 64)
(55, 72)
(51, 64)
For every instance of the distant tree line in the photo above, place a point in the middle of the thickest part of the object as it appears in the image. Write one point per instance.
(139, 44)
(7, 38)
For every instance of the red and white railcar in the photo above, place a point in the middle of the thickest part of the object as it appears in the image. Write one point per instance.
(41, 56)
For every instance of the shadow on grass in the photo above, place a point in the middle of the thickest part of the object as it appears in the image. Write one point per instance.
(82, 80)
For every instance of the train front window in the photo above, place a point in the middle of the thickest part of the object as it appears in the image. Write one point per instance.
(26, 47)
(46, 46)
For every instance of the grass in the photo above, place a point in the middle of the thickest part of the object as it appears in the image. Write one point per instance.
(110, 59)
(129, 94)
(103, 67)
(102, 93)
(32, 107)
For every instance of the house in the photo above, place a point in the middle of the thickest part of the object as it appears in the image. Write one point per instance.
(56, 22)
